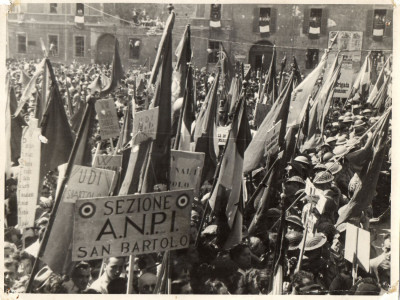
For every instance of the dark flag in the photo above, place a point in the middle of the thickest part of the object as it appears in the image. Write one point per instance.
(117, 72)
(158, 164)
(205, 134)
(55, 128)
(227, 197)
(370, 173)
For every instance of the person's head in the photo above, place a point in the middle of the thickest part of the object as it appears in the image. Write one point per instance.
(10, 273)
(302, 278)
(81, 275)
(117, 286)
(25, 264)
(241, 255)
(113, 266)
(181, 287)
(147, 263)
(147, 283)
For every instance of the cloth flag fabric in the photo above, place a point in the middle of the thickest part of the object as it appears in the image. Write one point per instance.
(187, 117)
(184, 54)
(370, 173)
(302, 92)
(205, 133)
(158, 164)
(270, 88)
(24, 79)
(117, 73)
(321, 106)
(363, 80)
(379, 82)
(31, 87)
(215, 15)
(55, 128)
(255, 153)
(227, 199)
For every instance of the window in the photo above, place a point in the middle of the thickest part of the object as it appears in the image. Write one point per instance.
(53, 8)
(21, 43)
(315, 23)
(379, 24)
(53, 45)
(264, 21)
(79, 46)
(213, 48)
(312, 58)
(134, 47)
(200, 10)
(80, 9)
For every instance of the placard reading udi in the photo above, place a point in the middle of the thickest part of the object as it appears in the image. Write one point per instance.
(131, 225)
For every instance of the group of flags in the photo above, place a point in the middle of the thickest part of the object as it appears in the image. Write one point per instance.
(299, 118)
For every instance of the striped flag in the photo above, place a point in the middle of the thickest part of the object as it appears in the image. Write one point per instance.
(187, 116)
(321, 106)
(227, 199)
(205, 133)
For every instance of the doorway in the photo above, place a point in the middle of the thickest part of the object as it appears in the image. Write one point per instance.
(256, 53)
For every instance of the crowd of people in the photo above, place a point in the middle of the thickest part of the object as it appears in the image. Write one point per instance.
(205, 268)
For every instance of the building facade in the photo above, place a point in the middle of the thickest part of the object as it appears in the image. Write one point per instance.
(85, 32)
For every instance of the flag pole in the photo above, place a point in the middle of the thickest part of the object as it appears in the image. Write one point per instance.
(57, 201)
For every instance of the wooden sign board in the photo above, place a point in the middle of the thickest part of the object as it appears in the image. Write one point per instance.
(260, 112)
(108, 162)
(87, 182)
(357, 246)
(311, 190)
(186, 169)
(272, 139)
(145, 125)
(131, 225)
(28, 179)
(108, 119)
(222, 134)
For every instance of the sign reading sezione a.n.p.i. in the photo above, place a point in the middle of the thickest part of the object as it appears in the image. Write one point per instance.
(131, 225)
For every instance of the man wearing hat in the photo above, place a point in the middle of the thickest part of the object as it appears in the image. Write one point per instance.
(313, 260)
(291, 186)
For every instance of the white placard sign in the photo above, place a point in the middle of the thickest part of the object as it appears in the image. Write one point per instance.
(131, 225)
(145, 125)
(87, 182)
(357, 246)
(28, 179)
(186, 169)
(108, 119)
(222, 134)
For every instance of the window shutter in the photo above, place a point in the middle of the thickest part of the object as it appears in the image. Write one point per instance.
(324, 21)
(256, 15)
(370, 23)
(272, 23)
(306, 20)
(389, 23)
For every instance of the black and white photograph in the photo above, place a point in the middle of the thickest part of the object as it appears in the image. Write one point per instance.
(227, 148)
